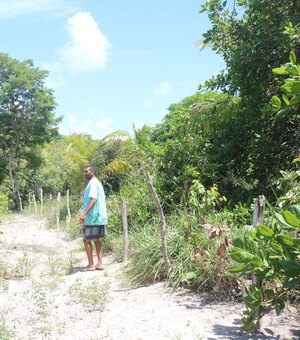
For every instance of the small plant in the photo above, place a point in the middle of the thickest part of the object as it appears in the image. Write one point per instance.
(24, 267)
(5, 332)
(94, 294)
(200, 199)
(272, 254)
(21, 270)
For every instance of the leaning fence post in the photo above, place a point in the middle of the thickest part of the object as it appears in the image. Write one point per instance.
(42, 201)
(258, 218)
(125, 229)
(68, 218)
(29, 203)
(57, 211)
(34, 204)
(163, 224)
(50, 208)
(20, 201)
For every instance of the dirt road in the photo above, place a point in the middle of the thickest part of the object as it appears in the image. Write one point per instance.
(46, 296)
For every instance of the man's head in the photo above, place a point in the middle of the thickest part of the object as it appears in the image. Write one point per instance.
(89, 172)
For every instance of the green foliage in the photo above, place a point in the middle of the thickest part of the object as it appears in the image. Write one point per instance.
(290, 88)
(193, 257)
(26, 116)
(3, 205)
(200, 199)
(272, 254)
(93, 293)
(182, 141)
(252, 42)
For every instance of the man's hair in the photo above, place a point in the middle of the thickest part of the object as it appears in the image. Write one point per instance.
(92, 169)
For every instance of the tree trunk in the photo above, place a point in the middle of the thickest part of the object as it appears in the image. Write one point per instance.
(125, 229)
(162, 220)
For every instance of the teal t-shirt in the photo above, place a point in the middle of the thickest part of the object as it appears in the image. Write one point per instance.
(98, 214)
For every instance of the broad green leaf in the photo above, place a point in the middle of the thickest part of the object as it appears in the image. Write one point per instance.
(291, 87)
(251, 245)
(253, 234)
(256, 261)
(281, 219)
(291, 219)
(284, 239)
(295, 100)
(275, 101)
(241, 256)
(296, 241)
(293, 58)
(286, 99)
(265, 231)
(296, 209)
(238, 243)
(291, 283)
(238, 269)
(276, 246)
(292, 268)
(280, 70)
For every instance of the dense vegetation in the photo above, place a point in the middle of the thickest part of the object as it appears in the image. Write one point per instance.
(211, 155)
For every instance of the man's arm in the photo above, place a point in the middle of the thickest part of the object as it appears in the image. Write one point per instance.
(88, 208)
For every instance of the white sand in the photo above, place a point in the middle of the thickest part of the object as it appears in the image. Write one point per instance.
(41, 307)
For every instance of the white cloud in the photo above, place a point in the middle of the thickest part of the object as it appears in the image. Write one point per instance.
(163, 89)
(97, 129)
(87, 49)
(11, 8)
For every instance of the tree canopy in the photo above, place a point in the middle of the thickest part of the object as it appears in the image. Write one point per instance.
(27, 116)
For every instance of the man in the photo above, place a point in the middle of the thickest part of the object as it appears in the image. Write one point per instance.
(93, 218)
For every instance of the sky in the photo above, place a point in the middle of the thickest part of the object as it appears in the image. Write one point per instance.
(113, 64)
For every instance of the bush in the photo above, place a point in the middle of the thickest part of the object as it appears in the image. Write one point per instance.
(3, 205)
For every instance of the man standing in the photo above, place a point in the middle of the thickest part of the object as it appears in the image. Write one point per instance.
(93, 218)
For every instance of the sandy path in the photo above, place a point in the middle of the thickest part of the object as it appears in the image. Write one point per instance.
(48, 303)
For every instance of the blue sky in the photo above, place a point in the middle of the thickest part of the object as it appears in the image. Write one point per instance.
(112, 63)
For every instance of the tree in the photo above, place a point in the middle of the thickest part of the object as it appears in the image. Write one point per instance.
(182, 140)
(26, 114)
(253, 42)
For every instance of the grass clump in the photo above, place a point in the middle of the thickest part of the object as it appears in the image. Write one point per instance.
(193, 256)
(93, 294)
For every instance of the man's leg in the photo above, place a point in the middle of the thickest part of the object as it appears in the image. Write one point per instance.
(89, 253)
(98, 246)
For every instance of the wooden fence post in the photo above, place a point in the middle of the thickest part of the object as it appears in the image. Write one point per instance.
(34, 204)
(163, 224)
(42, 202)
(68, 218)
(50, 208)
(125, 229)
(20, 201)
(29, 202)
(58, 212)
(258, 218)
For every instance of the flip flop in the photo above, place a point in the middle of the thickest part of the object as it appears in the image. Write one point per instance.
(88, 269)
(99, 268)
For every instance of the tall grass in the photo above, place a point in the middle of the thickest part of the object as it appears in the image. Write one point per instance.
(193, 257)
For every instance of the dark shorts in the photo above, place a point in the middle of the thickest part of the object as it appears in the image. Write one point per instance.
(93, 232)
